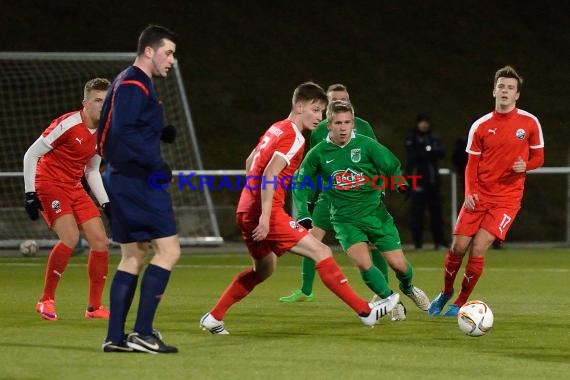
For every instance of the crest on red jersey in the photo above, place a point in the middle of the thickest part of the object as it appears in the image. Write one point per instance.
(294, 225)
(56, 206)
(520, 133)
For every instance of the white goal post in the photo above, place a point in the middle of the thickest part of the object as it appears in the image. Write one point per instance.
(37, 87)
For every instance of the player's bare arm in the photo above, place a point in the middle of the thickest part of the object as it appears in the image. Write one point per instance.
(275, 166)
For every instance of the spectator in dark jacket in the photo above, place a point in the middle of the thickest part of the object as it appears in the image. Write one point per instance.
(424, 150)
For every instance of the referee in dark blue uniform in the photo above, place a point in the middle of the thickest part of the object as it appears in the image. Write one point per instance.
(129, 135)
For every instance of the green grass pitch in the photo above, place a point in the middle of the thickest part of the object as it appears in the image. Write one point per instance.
(526, 289)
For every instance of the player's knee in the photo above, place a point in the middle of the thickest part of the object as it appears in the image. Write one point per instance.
(479, 248)
(132, 264)
(458, 249)
(363, 265)
(175, 254)
(264, 271)
(100, 243)
(71, 240)
(171, 256)
(322, 252)
(398, 264)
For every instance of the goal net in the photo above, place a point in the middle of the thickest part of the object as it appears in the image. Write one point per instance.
(35, 88)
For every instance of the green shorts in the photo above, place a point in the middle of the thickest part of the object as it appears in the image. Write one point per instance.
(321, 214)
(377, 228)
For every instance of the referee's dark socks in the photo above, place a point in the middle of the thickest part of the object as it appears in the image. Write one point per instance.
(122, 292)
(153, 284)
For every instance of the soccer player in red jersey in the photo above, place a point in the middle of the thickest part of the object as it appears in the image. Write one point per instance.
(502, 145)
(53, 167)
(269, 231)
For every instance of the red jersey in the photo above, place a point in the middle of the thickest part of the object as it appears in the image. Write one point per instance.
(73, 145)
(500, 138)
(284, 139)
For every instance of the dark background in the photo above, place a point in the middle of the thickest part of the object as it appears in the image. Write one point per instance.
(241, 60)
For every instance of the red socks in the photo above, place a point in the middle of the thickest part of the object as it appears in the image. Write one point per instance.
(472, 273)
(328, 270)
(97, 267)
(240, 287)
(57, 262)
(335, 280)
(451, 267)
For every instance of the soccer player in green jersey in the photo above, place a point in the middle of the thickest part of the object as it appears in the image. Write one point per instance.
(319, 220)
(355, 169)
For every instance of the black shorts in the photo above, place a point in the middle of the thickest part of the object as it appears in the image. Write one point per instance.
(139, 213)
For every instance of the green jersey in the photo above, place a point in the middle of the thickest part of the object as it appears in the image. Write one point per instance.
(353, 177)
(320, 133)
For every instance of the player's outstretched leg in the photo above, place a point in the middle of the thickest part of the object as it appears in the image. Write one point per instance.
(238, 289)
(369, 313)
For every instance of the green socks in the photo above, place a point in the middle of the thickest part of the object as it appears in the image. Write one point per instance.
(405, 279)
(307, 275)
(370, 277)
(375, 280)
(379, 262)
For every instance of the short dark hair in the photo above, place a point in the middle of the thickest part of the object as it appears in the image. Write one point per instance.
(508, 72)
(153, 36)
(97, 84)
(309, 91)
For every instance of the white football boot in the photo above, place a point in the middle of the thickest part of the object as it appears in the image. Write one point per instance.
(208, 322)
(419, 297)
(380, 308)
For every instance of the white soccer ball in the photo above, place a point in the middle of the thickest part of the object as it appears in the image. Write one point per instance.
(29, 248)
(475, 318)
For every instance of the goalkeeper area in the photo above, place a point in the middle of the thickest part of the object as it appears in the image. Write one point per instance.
(35, 88)
(526, 289)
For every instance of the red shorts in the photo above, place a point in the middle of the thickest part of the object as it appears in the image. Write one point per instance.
(284, 233)
(58, 200)
(495, 218)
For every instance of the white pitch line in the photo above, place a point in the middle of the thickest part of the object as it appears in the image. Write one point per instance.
(216, 266)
